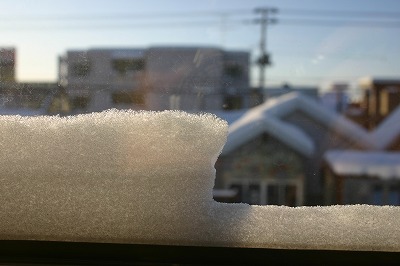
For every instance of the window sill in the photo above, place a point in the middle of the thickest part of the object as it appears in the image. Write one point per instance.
(15, 252)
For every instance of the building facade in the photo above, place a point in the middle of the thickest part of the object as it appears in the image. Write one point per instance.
(95, 78)
(380, 97)
(7, 65)
(157, 78)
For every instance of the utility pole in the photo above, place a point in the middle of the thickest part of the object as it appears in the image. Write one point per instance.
(264, 60)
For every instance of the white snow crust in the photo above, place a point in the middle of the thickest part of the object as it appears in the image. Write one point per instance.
(147, 177)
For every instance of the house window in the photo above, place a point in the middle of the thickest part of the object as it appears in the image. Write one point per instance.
(7, 65)
(80, 69)
(124, 65)
(287, 192)
(233, 70)
(386, 194)
(132, 97)
(80, 102)
(174, 102)
(232, 102)
(7, 72)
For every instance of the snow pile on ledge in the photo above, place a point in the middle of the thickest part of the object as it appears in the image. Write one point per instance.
(147, 177)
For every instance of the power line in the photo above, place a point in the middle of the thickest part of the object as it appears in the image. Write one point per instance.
(181, 19)
(124, 26)
(130, 16)
(336, 57)
(340, 13)
(204, 23)
(283, 12)
(236, 12)
(339, 22)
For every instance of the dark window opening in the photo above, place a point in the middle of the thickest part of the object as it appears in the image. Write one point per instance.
(124, 65)
(80, 69)
(80, 102)
(7, 65)
(290, 195)
(386, 194)
(7, 72)
(233, 70)
(128, 98)
(268, 192)
(233, 102)
(273, 194)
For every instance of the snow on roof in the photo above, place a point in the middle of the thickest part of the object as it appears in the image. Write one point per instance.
(295, 101)
(387, 131)
(267, 118)
(384, 165)
(255, 122)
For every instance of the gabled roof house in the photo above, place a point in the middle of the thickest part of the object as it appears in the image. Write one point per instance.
(274, 151)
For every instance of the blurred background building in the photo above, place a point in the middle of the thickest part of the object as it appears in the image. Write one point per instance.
(380, 97)
(157, 78)
(27, 98)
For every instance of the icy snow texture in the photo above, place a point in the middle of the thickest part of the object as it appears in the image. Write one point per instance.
(147, 177)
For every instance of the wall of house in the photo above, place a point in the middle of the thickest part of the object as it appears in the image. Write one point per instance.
(102, 69)
(395, 145)
(381, 97)
(185, 78)
(100, 77)
(26, 95)
(263, 158)
(350, 189)
(324, 138)
(193, 78)
(189, 70)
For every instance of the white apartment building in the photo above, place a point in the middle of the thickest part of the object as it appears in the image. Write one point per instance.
(157, 78)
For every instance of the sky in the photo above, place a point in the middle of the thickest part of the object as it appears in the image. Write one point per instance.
(312, 43)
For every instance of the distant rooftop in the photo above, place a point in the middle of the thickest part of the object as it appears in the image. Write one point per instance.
(385, 165)
(367, 82)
